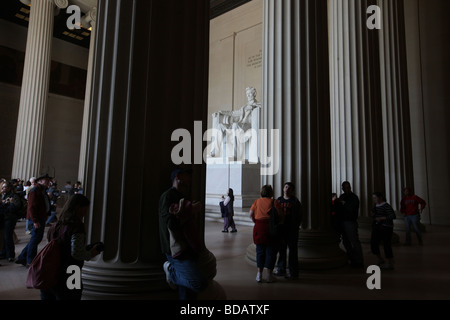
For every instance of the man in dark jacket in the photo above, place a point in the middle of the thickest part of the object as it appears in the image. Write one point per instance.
(347, 211)
(181, 271)
(37, 211)
(9, 208)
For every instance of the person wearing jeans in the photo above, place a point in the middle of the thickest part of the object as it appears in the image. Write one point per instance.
(266, 244)
(181, 268)
(411, 207)
(30, 251)
(37, 211)
(185, 275)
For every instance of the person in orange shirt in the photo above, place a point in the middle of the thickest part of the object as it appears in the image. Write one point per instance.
(266, 245)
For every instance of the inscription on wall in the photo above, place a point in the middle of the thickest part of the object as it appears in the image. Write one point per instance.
(255, 61)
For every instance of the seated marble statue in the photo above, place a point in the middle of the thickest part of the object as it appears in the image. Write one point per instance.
(236, 125)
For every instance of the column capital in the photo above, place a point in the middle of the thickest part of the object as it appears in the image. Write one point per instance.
(89, 19)
(61, 4)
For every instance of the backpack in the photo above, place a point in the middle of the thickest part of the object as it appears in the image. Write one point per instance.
(274, 221)
(44, 270)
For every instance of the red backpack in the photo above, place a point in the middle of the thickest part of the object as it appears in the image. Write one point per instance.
(44, 270)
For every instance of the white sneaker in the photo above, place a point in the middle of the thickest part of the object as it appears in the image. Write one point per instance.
(166, 267)
(258, 277)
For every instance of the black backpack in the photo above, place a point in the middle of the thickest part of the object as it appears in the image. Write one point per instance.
(274, 221)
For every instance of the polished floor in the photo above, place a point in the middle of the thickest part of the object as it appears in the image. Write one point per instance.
(421, 273)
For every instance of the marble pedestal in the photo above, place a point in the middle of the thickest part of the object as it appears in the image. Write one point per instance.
(244, 179)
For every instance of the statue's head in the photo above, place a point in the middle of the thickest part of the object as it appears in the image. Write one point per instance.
(251, 93)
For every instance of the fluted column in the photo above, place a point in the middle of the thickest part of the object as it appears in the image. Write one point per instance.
(357, 129)
(34, 92)
(297, 102)
(89, 20)
(150, 78)
(395, 102)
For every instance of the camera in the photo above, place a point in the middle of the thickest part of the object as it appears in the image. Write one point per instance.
(100, 246)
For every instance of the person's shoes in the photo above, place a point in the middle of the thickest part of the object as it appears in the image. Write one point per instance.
(11, 259)
(279, 273)
(420, 243)
(166, 267)
(233, 231)
(28, 232)
(22, 262)
(225, 231)
(258, 277)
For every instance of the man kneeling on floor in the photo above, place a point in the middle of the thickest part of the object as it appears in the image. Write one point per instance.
(180, 240)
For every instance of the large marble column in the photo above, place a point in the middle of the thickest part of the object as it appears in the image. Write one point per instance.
(357, 129)
(150, 78)
(34, 92)
(395, 102)
(297, 102)
(89, 21)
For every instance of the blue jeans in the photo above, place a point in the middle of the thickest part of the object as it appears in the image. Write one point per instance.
(187, 276)
(266, 256)
(350, 239)
(30, 251)
(414, 220)
(52, 218)
(8, 235)
(28, 225)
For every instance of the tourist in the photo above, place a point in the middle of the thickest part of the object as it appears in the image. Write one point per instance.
(181, 268)
(292, 211)
(228, 207)
(37, 211)
(382, 230)
(71, 230)
(347, 211)
(9, 208)
(266, 244)
(411, 207)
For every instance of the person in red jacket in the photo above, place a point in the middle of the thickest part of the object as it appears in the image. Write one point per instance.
(411, 207)
(38, 210)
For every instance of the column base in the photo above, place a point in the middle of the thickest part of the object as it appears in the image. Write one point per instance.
(121, 281)
(317, 250)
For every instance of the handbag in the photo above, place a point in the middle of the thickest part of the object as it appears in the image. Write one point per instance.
(274, 221)
(44, 270)
(223, 209)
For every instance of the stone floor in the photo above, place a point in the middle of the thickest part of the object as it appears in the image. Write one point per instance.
(421, 273)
